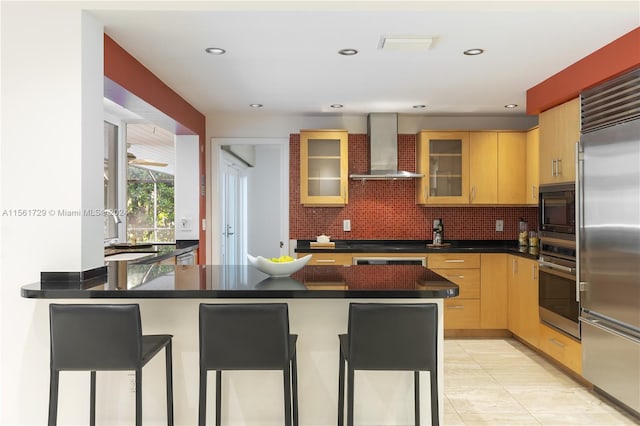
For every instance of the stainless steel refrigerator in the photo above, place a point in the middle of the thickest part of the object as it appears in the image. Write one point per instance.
(608, 187)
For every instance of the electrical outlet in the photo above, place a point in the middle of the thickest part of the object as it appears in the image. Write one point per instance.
(346, 225)
(499, 225)
(132, 382)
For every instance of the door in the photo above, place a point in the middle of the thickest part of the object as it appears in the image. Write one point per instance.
(233, 206)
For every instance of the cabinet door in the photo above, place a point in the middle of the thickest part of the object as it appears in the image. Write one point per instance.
(559, 132)
(324, 167)
(483, 168)
(513, 296)
(533, 165)
(444, 160)
(493, 291)
(511, 167)
(528, 301)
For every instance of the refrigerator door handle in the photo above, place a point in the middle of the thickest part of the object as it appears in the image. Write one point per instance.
(598, 324)
(579, 210)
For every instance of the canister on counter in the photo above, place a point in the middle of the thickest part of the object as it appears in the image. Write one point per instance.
(523, 236)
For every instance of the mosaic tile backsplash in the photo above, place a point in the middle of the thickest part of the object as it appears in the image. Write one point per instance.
(387, 209)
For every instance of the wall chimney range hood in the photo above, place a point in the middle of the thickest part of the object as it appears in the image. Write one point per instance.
(382, 129)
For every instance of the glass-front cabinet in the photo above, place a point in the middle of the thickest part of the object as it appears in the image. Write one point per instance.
(324, 167)
(443, 158)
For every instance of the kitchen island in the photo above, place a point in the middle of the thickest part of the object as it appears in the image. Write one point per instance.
(318, 299)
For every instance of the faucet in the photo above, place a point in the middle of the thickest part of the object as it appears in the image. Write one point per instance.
(116, 219)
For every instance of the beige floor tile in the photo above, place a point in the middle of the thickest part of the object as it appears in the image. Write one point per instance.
(484, 400)
(511, 419)
(583, 419)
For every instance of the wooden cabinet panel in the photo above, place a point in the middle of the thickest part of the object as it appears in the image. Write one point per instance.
(559, 132)
(461, 313)
(328, 258)
(483, 168)
(523, 318)
(467, 279)
(453, 260)
(511, 167)
(533, 166)
(561, 347)
(493, 296)
(324, 167)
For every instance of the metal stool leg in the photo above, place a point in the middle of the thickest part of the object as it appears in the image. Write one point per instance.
(54, 377)
(139, 397)
(92, 400)
(287, 395)
(341, 390)
(294, 386)
(416, 390)
(169, 380)
(202, 403)
(350, 391)
(218, 398)
(435, 418)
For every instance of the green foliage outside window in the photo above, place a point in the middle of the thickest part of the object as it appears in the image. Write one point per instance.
(150, 206)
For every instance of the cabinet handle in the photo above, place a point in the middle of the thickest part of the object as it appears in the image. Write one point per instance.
(534, 276)
(533, 193)
(553, 167)
(557, 343)
(456, 307)
(514, 266)
(559, 167)
(473, 193)
(326, 261)
(454, 261)
(455, 276)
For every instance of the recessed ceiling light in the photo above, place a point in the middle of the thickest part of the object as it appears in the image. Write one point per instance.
(473, 52)
(348, 52)
(256, 105)
(511, 105)
(419, 106)
(215, 51)
(336, 105)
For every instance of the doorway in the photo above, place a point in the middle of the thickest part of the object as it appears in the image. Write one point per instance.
(265, 210)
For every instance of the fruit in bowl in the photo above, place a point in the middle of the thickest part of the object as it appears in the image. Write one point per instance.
(282, 266)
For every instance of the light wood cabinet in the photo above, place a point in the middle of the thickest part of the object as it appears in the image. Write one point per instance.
(512, 160)
(324, 167)
(559, 133)
(443, 158)
(561, 347)
(483, 168)
(533, 166)
(493, 295)
(462, 312)
(343, 259)
(523, 318)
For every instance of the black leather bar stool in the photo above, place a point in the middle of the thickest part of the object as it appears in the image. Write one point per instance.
(390, 336)
(103, 338)
(247, 337)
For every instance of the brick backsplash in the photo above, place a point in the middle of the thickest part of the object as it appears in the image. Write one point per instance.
(388, 210)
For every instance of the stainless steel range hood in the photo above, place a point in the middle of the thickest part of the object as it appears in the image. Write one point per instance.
(383, 143)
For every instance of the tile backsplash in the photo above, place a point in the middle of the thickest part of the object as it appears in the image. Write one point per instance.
(387, 209)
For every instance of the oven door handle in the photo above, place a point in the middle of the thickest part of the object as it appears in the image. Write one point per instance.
(556, 266)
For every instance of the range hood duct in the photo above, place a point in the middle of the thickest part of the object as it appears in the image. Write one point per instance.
(382, 129)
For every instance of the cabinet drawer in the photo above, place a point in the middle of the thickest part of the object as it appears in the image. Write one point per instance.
(467, 279)
(453, 260)
(328, 258)
(461, 313)
(562, 348)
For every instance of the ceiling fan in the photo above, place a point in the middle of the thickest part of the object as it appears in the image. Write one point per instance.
(135, 161)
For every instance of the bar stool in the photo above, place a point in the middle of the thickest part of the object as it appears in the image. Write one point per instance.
(103, 338)
(247, 337)
(390, 336)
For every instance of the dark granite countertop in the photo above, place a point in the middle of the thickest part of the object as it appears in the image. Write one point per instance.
(154, 252)
(213, 281)
(421, 246)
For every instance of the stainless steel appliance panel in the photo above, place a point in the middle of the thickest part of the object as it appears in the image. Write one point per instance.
(610, 231)
(611, 360)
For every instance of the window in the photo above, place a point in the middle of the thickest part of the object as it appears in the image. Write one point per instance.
(150, 206)
(110, 180)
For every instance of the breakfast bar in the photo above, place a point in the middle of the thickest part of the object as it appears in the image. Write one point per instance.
(318, 298)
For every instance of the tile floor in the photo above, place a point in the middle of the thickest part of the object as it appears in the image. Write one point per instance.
(502, 382)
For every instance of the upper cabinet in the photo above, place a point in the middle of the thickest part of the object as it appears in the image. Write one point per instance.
(533, 166)
(324, 167)
(477, 168)
(559, 133)
(443, 158)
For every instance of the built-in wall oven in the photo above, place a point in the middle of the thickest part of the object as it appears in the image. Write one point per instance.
(557, 298)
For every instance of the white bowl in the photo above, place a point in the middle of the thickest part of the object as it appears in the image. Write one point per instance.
(277, 269)
(323, 238)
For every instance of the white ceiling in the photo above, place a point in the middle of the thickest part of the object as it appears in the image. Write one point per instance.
(284, 54)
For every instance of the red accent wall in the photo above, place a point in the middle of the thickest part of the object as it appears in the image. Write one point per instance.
(388, 210)
(615, 58)
(125, 70)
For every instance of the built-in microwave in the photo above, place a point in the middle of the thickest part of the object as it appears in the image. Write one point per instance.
(557, 211)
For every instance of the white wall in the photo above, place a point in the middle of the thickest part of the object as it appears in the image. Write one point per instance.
(51, 161)
(187, 187)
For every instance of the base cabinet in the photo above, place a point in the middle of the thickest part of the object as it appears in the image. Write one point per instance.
(561, 348)
(522, 278)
